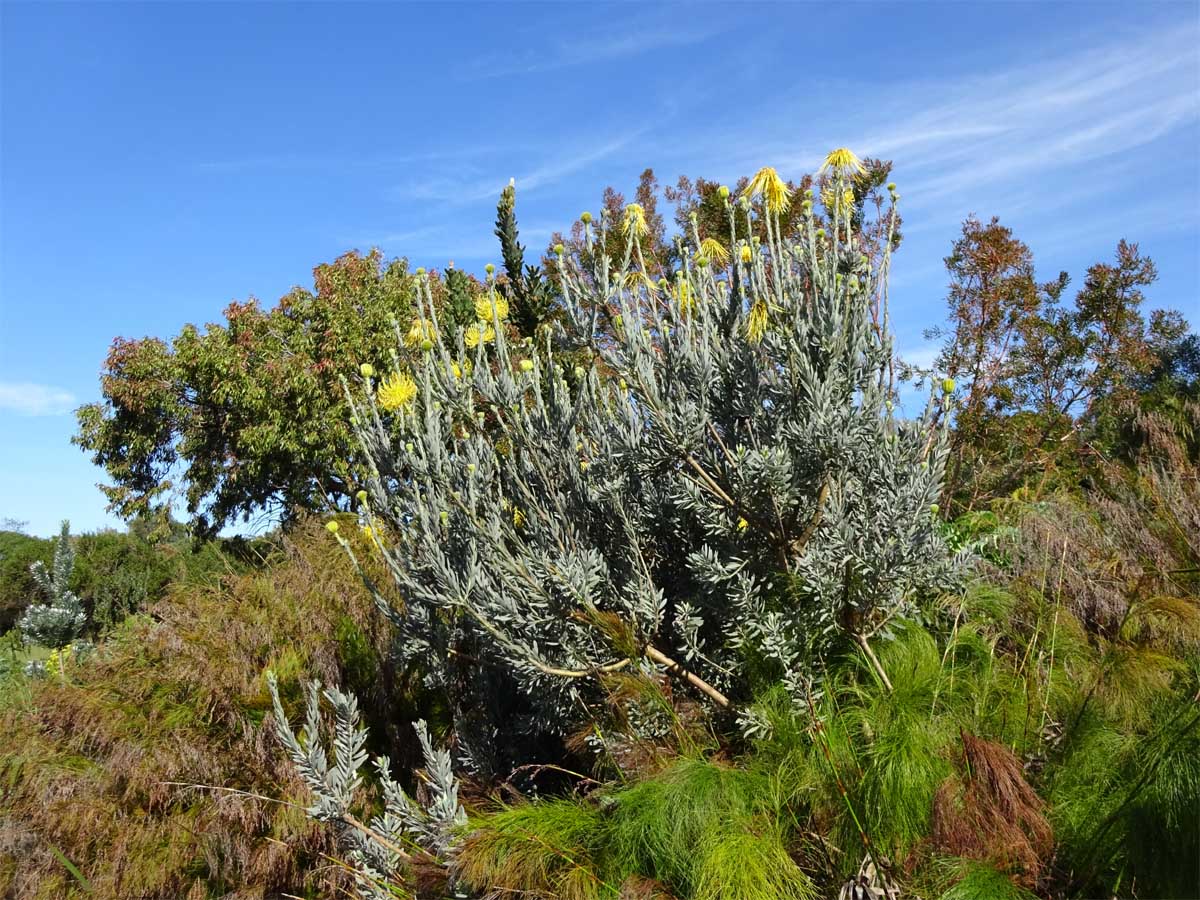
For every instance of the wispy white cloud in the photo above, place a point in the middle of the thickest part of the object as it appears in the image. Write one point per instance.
(28, 399)
(624, 40)
(456, 190)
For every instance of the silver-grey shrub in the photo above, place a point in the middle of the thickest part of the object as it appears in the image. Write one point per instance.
(61, 618)
(704, 474)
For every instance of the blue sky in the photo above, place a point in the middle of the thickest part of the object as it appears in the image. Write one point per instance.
(160, 160)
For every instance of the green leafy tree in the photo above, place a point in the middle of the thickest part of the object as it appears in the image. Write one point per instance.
(246, 416)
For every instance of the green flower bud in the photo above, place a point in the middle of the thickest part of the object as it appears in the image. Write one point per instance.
(427, 345)
(558, 249)
(526, 365)
(421, 271)
(723, 192)
(808, 192)
(934, 508)
(579, 372)
(624, 385)
(948, 385)
(702, 261)
(489, 268)
(891, 186)
(470, 468)
(367, 370)
(586, 217)
(820, 232)
(619, 320)
(331, 527)
(445, 517)
(362, 496)
(408, 448)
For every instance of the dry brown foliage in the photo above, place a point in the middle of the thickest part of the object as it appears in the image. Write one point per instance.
(179, 696)
(989, 812)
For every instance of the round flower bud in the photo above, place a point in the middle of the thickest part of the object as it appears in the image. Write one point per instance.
(723, 192)
(367, 370)
(527, 365)
(808, 192)
(489, 268)
(807, 206)
(820, 232)
(421, 271)
(585, 217)
(933, 508)
(408, 448)
(445, 517)
(891, 186)
(624, 384)
(331, 527)
(579, 372)
(948, 385)
(558, 249)
(354, 420)
(619, 320)
(362, 496)
(427, 345)
(702, 260)
(470, 468)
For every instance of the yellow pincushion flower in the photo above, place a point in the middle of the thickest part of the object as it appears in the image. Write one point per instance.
(742, 524)
(420, 331)
(774, 191)
(747, 254)
(484, 305)
(714, 250)
(478, 332)
(396, 390)
(843, 161)
(756, 322)
(635, 221)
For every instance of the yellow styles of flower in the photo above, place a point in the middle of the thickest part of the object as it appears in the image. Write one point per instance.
(843, 161)
(485, 305)
(767, 184)
(396, 391)
(635, 221)
(714, 250)
(756, 321)
(479, 332)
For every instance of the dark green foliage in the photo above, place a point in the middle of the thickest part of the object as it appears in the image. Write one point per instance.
(17, 588)
(529, 293)
(460, 300)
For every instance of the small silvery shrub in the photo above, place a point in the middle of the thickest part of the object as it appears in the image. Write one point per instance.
(406, 831)
(703, 473)
(61, 619)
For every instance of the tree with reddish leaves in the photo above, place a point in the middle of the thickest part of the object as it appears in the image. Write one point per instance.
(247, 416)
(1036, 377)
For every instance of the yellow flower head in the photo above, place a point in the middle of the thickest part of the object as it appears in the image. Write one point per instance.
(756, 322)
(714, 250)
(367, 532)
(767, 184)
(518, 517)
(843, 161)
(747, 254)
(633, 279)
(484, 305)
(686, 297)
(478, 332)
(742, 524)
(397, 390)
(635, 221)
(420, 331)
